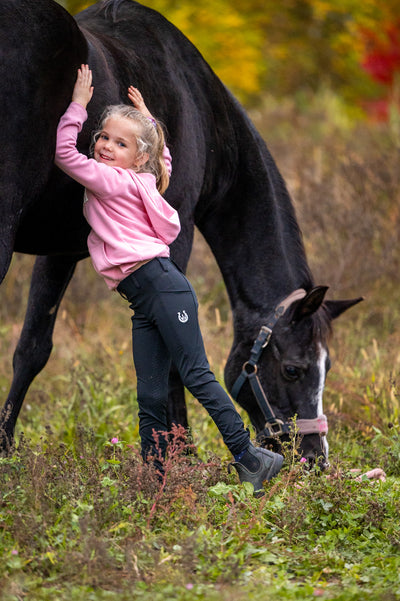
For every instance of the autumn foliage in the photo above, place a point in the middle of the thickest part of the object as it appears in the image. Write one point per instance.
(294, 48)
(382, 62)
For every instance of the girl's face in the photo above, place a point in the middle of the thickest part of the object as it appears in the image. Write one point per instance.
(116, 145)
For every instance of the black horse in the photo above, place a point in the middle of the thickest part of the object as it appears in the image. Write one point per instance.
(224, 181)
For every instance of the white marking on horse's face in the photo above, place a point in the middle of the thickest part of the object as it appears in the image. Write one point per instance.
(318, 399)
(321, 365)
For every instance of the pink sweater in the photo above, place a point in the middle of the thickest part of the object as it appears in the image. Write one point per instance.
(131, 222)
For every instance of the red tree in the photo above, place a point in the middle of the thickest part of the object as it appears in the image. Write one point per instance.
(382, 62)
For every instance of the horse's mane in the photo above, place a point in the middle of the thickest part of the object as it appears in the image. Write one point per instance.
(110, 7)
(320, 322)
(322, 325)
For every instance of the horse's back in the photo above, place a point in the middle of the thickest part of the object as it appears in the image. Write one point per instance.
(178, 85)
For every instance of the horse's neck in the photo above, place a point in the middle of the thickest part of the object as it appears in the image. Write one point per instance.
(255, 238)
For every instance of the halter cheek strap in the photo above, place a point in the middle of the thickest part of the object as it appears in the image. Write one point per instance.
(274, 427)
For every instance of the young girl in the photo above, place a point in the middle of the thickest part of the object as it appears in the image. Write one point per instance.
(132, 226)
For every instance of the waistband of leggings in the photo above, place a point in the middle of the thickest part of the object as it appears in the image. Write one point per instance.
(158, 262)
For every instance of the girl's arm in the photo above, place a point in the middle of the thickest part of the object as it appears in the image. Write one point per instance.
(137, 100)
(100, 179)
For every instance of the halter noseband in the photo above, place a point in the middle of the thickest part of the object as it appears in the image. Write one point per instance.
(274, 427)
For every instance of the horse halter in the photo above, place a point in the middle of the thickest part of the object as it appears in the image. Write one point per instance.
(274, 427)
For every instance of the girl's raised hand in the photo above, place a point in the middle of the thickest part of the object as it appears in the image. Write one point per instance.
(83, 89)
(137, 100)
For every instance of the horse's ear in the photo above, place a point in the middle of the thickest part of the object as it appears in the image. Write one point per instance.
(336, 308)
(310, 303)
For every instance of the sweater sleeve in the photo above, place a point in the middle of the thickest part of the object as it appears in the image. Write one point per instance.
(167, 159)
(100, 179)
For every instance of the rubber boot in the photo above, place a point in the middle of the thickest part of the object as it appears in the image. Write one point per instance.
(269, 466)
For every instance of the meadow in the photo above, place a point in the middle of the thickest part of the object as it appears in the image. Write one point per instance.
(82, 518)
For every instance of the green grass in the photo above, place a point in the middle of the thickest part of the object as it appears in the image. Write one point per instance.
(80, 520)
(81, 517)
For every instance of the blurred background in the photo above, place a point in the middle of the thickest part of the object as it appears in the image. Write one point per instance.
(294, 47)
(321, 81)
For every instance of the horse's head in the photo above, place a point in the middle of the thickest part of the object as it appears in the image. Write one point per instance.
(282, 376)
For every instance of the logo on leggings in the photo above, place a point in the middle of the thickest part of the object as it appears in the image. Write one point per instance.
(183, 317)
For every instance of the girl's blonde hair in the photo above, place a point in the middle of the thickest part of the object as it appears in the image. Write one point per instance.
(151, 140)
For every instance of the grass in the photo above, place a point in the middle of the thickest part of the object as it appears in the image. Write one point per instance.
(82, 518)
(88, 519)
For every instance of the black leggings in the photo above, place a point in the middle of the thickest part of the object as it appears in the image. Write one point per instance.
(165, 327)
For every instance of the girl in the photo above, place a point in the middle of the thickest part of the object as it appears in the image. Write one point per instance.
(132, 226)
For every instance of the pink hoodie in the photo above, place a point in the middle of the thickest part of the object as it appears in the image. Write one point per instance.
(131, 222)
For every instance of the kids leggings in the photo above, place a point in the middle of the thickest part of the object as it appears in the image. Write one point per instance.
(165, 328)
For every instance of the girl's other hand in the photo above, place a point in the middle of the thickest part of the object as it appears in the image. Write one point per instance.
(83, 89)
(137, 100)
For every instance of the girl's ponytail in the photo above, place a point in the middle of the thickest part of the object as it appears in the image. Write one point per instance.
(162, 175)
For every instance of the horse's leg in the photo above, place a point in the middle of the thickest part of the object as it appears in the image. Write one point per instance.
(50, 278)
(176, 407)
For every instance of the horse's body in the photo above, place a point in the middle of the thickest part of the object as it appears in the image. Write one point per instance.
(224, 181)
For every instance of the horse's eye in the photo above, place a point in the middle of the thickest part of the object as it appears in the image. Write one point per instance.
(291, 372)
